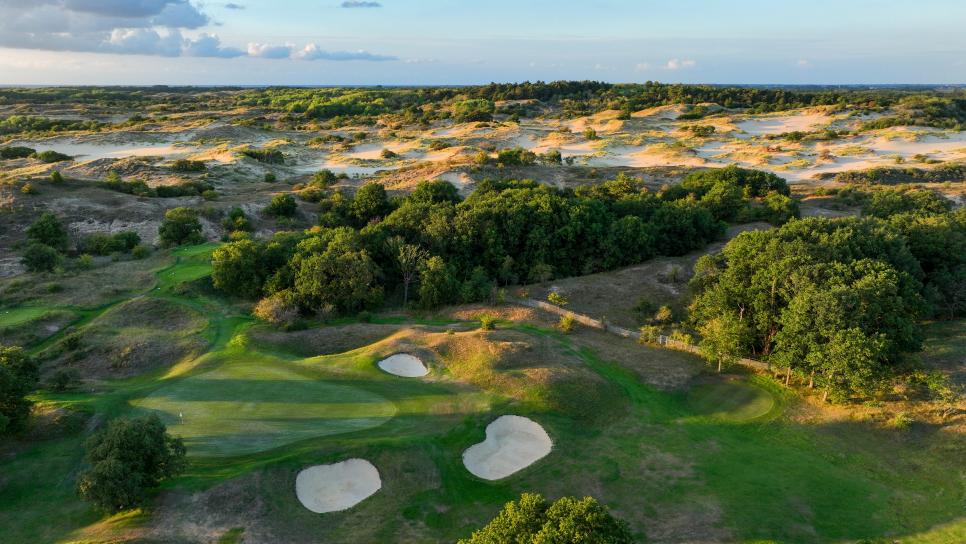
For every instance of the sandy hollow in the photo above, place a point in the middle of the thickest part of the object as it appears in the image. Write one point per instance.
(405, 365)
(337, 487)
(512, 443)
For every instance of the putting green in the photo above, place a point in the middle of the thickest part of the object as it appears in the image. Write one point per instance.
(731, 401)
(16, 316)
(250, 406)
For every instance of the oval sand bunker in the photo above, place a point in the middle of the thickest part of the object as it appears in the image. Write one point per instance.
(512, 443)
(336, 487)
(405, 365)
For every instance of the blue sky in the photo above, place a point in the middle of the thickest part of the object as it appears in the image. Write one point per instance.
(306, 42)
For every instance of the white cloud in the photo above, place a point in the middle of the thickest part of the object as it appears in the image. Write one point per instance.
(314, 52)
(360, 4)
(804, 63)
(678, 64)
(136, 27)
(642, 67)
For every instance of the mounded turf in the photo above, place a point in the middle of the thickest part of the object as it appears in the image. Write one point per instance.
(247, 406)
(731, 401)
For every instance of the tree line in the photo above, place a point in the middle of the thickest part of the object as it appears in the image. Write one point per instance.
(450, 249)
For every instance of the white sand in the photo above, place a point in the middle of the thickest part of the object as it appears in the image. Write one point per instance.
(337, 487)
(512, 443)
(405, 365)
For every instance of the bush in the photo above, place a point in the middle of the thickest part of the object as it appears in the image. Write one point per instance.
(140, 251)
(487, 322)
(50, 157)
(127, 459)
(388, 153)
(557, 299)
(28, 189)
(15, 152)
(278, 310)
(180, 226)
(237, 220)
(40, 258)
(85, 262)
(534, 520)
(18, 378)
(269, 156)
(185, 165)
(269, 178)
(55, 177)
(590, 134)
(282, 205)
(515, 156)
(566, 324)
(63, 379)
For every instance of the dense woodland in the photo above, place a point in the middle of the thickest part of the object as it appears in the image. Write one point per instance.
(506, 232)
(839, 301)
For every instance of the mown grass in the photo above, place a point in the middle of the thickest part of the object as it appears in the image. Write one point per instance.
(17, 316)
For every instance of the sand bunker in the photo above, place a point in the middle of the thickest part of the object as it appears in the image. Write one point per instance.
(405, 365)
(337, 487)
(512, 443)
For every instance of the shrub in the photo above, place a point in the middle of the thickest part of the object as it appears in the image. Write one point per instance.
(590, 134)
(15, 152)
(282, 205)
(663, 315)
(85, 262)
(185, 165)
(40, 258)
(269, 178)
(28, 189)
(55, 177)
(180, 226)
(18, 377)
(388, 153)
(534, 520)
(127, 459)
(487, 322)
(269, 156)
(140, 251)
(50, 157)
(63, 379)
(557, 299)
(278, 310)
(566, 324)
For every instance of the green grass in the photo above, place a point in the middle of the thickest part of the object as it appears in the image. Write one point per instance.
(250, 404)
(17, 316)
(731, 401)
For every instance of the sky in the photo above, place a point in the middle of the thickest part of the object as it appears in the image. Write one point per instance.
(440, 42)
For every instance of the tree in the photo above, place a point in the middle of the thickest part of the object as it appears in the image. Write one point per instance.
(282, 205)
(127, 459)
(18, 377)
(40, 258)
(180, 226)
(408, 258)
(722, 340)
(534, 520)
(370, 202)
(236, 268)
(48, 230)
(436, 283)
(343, 276)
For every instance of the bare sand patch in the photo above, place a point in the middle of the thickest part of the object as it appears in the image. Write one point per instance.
(337, 487)
(512, 443)
(404, 365)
